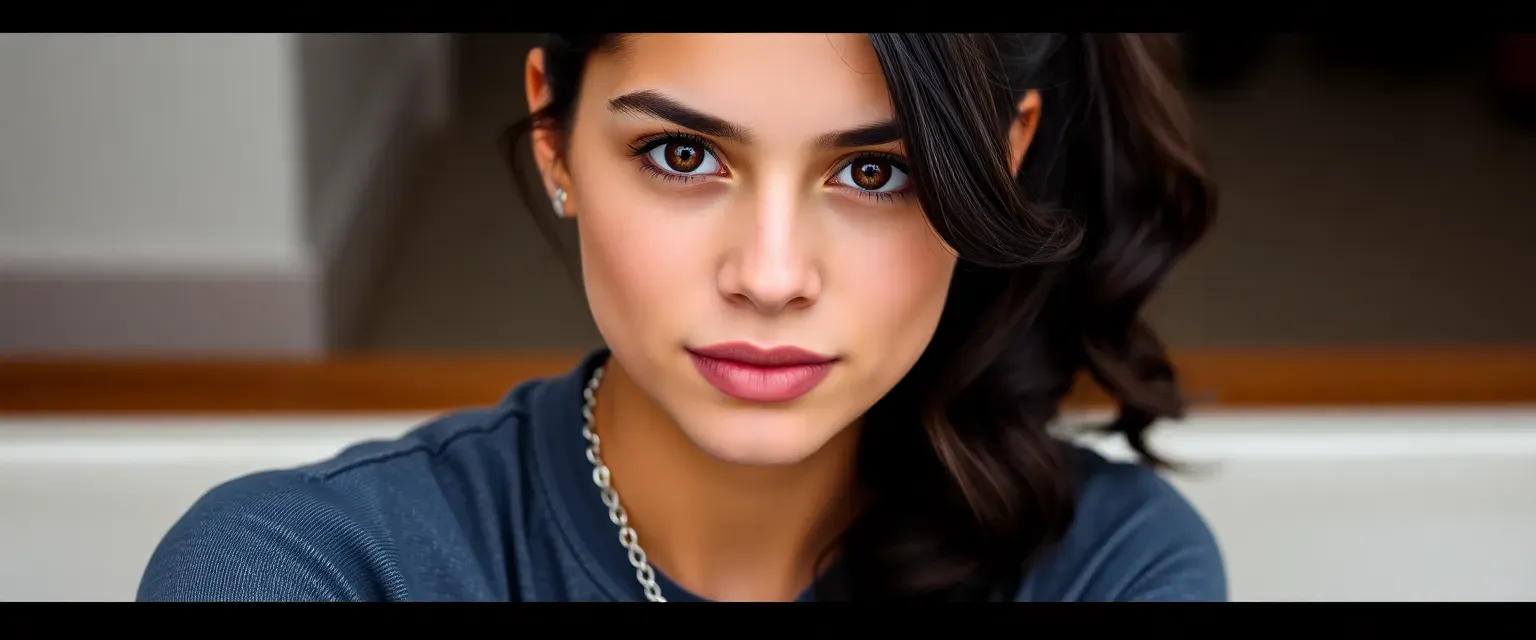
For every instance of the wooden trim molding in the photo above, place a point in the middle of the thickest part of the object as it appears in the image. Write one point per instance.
(1220, 378)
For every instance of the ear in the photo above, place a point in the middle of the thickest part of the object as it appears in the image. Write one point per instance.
(546, 142)
(1022, 132)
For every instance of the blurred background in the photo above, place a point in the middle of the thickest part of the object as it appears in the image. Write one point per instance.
(223, 253)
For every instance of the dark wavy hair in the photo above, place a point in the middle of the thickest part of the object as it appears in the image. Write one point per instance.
(965, 483)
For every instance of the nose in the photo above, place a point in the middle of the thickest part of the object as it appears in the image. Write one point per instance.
(771, 265)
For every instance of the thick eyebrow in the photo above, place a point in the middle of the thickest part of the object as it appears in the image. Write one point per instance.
(866, 136)
(658, 105)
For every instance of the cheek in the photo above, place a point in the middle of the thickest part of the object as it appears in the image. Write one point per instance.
(636, 255)
(897, 280)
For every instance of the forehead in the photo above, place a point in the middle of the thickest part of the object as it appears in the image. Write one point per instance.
(791, 83)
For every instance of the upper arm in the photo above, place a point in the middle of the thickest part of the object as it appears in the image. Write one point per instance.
(268, 537)
(1173, 555)
(1134, 537)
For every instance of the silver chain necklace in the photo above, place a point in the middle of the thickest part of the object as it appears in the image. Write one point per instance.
(616, 513)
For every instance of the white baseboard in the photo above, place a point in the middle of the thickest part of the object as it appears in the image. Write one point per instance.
(198, 311)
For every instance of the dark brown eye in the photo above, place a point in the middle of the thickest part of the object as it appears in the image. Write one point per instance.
(870, 173)
(874, 174)
(683, 157)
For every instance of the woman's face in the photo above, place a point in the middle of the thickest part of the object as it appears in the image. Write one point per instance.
(740, 194)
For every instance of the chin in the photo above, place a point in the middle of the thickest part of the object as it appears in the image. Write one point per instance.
(758, 436)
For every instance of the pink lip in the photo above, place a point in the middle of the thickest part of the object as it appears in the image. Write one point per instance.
(746, 372)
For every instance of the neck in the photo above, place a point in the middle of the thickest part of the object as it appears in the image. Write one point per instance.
(722, 531)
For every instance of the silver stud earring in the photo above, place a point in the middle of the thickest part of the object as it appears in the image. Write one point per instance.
(559, 202)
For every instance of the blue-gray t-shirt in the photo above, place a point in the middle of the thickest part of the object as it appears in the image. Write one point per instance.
(499, 505)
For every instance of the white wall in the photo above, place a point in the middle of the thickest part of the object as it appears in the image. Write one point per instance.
(164, 192)
(138, 151)
(1418, 506)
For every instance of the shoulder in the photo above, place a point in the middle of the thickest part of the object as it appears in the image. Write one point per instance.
(1134, 537)
(336, 529)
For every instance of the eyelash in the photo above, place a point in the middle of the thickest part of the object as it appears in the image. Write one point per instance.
(640, 149)
(896, 161)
